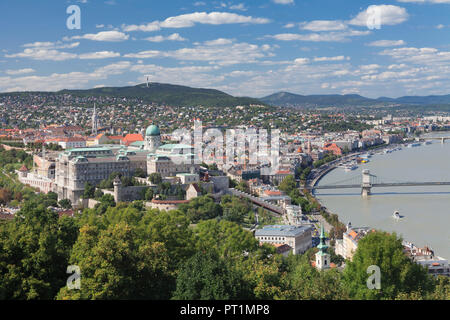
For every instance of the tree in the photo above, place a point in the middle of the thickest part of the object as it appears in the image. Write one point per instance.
(398, 273)
(155, 178)
(139, 173)
(115, 265)
(172, 229)
(34, 253)
(5, 196)
(288, 184)
(243, 186)
(201, 208)
(441, 289)
(206, 276)
(304, 282)
(227, 238)
(149, 194)
(235, 209)
(65, 204)
(98, 194)
(89, 191)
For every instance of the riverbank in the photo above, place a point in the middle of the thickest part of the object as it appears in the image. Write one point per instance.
(425, 208)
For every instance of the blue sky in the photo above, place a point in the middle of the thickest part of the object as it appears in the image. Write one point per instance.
(251, 48)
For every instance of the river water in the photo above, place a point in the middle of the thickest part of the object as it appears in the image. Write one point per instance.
(425, 210)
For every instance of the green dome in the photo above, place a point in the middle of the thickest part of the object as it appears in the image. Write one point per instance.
(152, 131)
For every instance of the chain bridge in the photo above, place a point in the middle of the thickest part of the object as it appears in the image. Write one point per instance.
(368, 181)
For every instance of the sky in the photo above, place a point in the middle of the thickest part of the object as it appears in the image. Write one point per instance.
(245, 48)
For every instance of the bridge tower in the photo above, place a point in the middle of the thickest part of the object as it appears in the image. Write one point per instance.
(366, 186)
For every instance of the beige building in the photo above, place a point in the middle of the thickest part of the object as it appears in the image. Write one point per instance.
(299, 238)
(346, 247)
(76, 167)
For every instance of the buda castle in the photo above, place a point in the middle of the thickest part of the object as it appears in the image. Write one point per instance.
(76, 167)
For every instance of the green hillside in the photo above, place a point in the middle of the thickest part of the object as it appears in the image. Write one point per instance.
(169, 94)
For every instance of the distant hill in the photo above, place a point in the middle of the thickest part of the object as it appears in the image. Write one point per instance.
(169, 94)
(444, 99)
(177, 95)
(290, 99)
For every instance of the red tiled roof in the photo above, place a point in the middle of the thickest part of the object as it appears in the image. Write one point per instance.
(133, 137)
(196, 187)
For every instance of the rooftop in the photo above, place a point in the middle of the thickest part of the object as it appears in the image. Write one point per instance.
(282, 230)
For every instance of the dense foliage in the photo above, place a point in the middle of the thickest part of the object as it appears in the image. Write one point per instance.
(126, 251)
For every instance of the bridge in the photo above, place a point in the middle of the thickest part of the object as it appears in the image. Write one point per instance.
(370, 181)
(442, 139)
(258, 201)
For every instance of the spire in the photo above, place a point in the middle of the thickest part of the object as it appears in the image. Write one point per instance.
(322, 245)
(94, 121)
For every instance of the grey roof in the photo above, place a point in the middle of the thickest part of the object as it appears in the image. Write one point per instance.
(282, 231)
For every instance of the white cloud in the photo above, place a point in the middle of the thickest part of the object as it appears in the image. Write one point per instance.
(320, 37)
(283, 1)
(219, 52)
(387, 43)
(56, 55)
(289, 25)
(337, 58)
(240, 7)
(43, 54)
(172, 37)
(99, 55)
(59, 81)
(20, 71)
(51, 45)
(388, 14)
(422, 56)
(191, 19)
(323, 25)
(108, 36)
(219, 42)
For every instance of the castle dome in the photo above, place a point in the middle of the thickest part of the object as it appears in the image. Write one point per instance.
(152, 131)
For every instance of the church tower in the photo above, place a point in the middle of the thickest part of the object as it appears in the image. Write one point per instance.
(94, 122)
(322, 257)
(152, 138)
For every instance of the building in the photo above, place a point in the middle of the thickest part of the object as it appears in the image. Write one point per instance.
(193, 191)
(132, 138)
(76, 167)
(346, 247)
(68, 143)
(299, 238)
(333, 148)
(45, 185)
(426, 258)
(166, 205)
(323, 260)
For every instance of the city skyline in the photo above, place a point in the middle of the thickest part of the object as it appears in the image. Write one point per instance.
(244, 48)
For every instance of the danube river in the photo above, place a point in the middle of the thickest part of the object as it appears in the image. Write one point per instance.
(426, 210)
